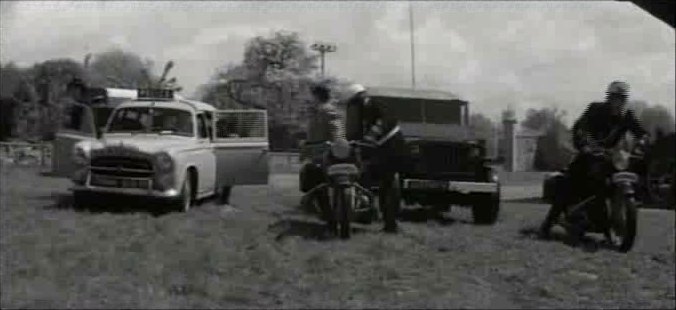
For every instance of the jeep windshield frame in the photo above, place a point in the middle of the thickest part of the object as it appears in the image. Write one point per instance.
(152, 120)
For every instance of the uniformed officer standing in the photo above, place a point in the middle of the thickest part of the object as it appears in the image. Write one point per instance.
(381, 130)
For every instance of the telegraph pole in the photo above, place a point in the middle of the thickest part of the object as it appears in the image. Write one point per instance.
(410, 13)
(323, 48)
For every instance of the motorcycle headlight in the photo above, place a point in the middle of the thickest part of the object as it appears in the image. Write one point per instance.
(415, 149)
(80, 156)
(621, 160)
(164, 162)
(340, 149)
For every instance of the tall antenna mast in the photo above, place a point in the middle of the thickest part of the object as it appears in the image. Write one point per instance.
(410, 13)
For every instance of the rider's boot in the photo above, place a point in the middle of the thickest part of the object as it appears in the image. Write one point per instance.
(388, 209)
(552, 216)
(326, 212)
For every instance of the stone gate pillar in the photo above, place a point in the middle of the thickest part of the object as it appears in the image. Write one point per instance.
(509, 125)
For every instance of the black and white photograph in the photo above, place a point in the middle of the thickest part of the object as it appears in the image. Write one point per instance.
(337, 154)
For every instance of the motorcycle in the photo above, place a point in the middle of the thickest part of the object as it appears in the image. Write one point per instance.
(611, 206)
(342, 167)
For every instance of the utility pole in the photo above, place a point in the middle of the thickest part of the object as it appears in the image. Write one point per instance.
(323, 48)
(410, 13)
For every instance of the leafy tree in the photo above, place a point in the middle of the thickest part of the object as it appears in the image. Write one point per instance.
(120, 69)
(656, 119)
(481, 126)
(553, 148)
(275, 75)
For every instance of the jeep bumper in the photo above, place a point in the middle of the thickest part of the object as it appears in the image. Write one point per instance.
(461, 187)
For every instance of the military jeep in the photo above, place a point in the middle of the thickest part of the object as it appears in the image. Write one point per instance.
(446, 165)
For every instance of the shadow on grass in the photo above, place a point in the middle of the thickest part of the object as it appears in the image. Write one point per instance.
(587, 243)
(305, 229)
(114, 206)
(425, 214)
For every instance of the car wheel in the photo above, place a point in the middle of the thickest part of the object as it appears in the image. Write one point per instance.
(224, 195)
(79, 200)
(184, 201)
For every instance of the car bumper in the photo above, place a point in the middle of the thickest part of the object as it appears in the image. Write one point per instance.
(462, 187)
(131, 192)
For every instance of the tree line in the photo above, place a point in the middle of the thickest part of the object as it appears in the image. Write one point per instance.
(275, 74)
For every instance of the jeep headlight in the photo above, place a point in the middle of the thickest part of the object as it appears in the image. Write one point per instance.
(164, 162)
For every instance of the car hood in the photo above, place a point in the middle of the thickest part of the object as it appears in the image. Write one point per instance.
(145, 143)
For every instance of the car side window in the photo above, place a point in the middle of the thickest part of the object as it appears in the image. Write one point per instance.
(208, 120)
(201, 127)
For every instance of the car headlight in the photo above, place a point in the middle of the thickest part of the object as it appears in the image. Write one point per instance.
(80, 156)
(164, 162)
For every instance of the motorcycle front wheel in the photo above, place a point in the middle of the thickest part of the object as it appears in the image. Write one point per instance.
(343, 208)
(624, 222)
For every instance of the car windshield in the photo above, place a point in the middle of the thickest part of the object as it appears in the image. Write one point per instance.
(152, 120)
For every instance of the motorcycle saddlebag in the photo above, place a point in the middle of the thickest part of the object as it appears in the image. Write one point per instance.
(555, 183)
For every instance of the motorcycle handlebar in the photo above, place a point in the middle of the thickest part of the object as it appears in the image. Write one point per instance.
(361, 143)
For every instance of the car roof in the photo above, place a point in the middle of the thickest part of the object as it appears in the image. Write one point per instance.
(179, 103)
(412, 93)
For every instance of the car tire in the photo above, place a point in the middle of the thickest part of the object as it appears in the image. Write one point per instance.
(224, 195)
(184, 201)
(486, 208)
(80, 200)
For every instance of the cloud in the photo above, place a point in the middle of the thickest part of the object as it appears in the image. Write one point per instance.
(525, 54)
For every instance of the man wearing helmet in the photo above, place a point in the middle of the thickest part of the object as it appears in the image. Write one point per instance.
(602, 125)
(368, 122)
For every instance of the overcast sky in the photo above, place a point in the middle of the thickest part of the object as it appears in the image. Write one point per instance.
(494, 54)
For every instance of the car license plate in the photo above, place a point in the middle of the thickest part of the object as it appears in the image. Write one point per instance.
(427, 184)
(98, 180)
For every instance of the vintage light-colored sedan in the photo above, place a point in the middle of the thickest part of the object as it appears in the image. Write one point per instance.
(165, 147)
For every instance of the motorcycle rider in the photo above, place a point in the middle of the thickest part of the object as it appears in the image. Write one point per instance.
(368, 122)
(325, 124)
(602, 125)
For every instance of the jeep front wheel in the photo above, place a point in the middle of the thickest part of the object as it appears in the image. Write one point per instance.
(485, 209)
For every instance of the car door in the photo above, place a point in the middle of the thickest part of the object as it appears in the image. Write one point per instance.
(204, 157)
(79, 126)
(240, 143)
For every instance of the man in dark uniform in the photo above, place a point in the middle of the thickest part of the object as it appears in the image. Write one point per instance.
(602, 125)
(376, 127)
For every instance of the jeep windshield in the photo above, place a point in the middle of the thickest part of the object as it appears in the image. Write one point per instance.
(152, 120)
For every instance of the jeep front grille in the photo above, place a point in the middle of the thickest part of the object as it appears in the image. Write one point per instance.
(439, 158)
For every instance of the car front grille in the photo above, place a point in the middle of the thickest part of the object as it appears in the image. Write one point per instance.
(122, 166)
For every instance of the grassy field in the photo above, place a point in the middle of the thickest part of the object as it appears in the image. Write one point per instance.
(263, 252)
